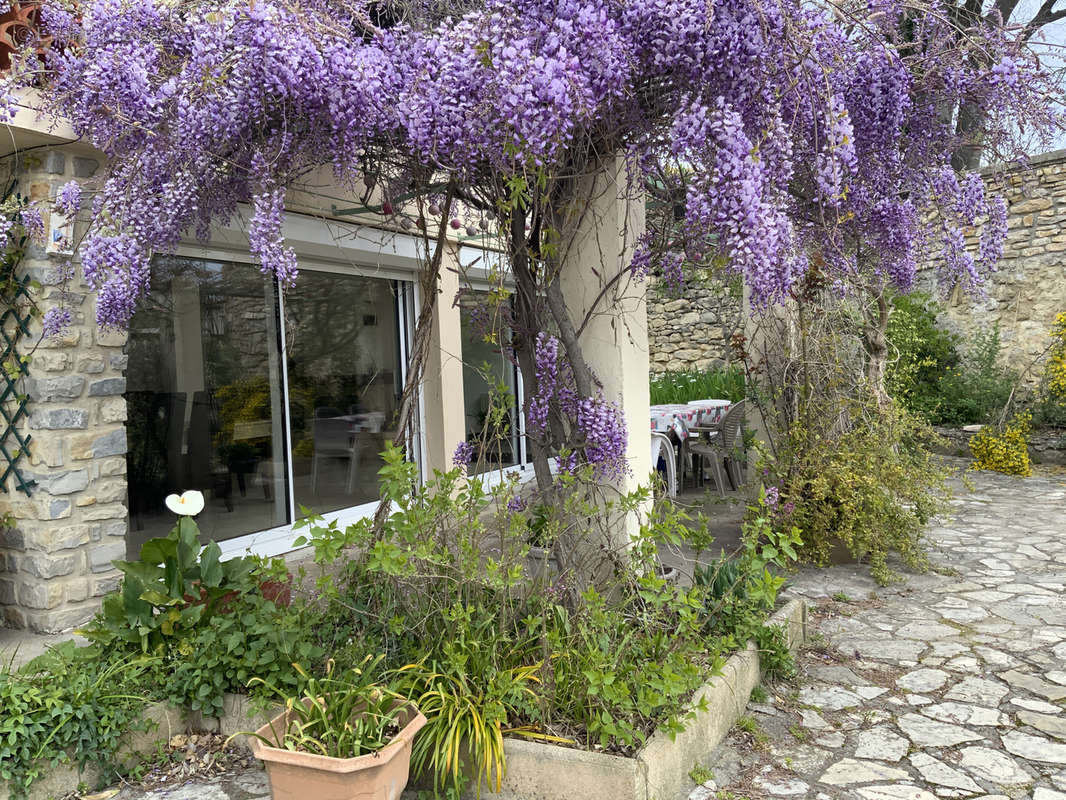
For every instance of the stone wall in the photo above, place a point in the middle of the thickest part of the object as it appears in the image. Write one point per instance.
(55, 563)
(693, 330)
(1029, 288)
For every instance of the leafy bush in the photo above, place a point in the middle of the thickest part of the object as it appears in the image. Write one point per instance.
(921, 352)
(979, 388)
(254, 639)
(681, 386)
(1005, 451)
(596, 649)
(871, 490)
(213, 624)
(929, 375)
(67, 705)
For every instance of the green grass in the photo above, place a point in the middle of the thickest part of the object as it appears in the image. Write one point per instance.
(700, 774)
(681, 386)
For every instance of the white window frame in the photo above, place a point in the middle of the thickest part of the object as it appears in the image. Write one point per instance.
(346, 249)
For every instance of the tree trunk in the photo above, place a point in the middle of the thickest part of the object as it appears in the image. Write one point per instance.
(876, 340)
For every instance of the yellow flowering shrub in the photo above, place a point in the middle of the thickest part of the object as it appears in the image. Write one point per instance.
(1055, 371)
(1006, 451)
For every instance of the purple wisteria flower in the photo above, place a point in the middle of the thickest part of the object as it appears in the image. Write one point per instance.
(68, 199)
(464, 454)
(32, 222)
(55, 321)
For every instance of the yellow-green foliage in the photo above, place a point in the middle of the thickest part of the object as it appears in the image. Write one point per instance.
(1006, 451)
(870, 489)
(1055, 372)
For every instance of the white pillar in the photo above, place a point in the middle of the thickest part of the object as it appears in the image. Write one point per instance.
(614, 339)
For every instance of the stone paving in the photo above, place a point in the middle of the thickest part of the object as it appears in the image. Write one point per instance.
(948, 684)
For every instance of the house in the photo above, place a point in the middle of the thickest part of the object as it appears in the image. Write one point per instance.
(267, 401)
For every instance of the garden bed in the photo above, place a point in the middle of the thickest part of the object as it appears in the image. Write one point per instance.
(541, 771)
(660, 768)
(167, 720)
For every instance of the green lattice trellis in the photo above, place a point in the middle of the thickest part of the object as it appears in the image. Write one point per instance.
(14, 445)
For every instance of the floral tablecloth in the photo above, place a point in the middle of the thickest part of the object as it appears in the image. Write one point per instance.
(677, 417)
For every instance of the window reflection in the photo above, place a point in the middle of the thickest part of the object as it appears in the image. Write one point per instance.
(204, 395)
(342, 340)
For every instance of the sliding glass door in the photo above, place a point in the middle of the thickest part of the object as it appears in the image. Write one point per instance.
(266, 403)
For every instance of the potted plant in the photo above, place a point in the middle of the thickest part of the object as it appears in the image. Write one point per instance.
(344, 738)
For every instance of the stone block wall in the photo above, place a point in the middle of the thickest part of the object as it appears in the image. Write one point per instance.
(692, 331)
(1029, 288)
(55, 562)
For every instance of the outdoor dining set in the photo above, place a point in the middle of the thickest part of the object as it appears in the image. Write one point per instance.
(688, 438)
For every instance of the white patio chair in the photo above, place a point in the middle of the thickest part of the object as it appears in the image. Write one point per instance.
(663, 449)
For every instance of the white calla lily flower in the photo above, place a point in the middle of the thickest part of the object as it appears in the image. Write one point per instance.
(187, 504)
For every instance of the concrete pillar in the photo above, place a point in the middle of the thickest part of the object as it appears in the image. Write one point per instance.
(615, 337)
(444, 417)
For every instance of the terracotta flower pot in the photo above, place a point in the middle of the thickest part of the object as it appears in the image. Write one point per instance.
(381, 775)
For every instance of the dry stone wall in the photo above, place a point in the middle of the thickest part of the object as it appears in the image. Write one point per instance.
(691, 331)
(55, 562)
(1029, 288)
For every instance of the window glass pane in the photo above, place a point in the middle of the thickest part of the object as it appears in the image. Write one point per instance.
(204, 400)
(489, 390)
(342, 341)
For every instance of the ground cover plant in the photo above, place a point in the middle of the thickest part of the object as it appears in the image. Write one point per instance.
(70, 705)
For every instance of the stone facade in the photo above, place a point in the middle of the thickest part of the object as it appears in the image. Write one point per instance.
(692, 331)
(1029, 288)
(55, 562)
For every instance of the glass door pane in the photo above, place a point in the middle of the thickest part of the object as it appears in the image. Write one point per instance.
(204, 398)
(489, 390)
(343, 360)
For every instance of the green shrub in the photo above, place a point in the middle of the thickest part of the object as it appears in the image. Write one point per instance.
(681, 386)
(934, 378)
(921, 352)
(255, 638)
(599, 649)
(977, 390)
(871, 490)
(69, 705)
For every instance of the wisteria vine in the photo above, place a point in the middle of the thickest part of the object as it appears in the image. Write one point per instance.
(772, 130)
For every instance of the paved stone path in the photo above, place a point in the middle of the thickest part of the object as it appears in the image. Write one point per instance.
(950, 684)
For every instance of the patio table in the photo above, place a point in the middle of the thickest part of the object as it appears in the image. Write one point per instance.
(675, 419)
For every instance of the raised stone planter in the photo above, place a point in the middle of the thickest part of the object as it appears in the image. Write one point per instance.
(659, 770)
(534, 771)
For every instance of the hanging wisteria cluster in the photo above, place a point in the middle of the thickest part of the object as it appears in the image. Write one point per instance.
(779, 130)
(795, 128)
